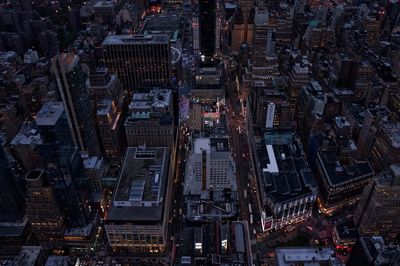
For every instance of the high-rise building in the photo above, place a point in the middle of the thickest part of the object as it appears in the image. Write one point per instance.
(71, 83)
(264, 63)
(138, 218)
(60, 157)
(43, 212)
(11, 195)
(61, 160)
(140, 61)
(298, 77)
(110, 122)
(110, 104)
(379, 207)
(150, 119)
(207, 27)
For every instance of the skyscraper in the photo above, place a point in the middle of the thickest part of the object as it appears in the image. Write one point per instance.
(71, 83)
(110, 104)
(379, 208)
(207, 25)
(11, 197)
(61, 159)
(140, 61)
(42, 211)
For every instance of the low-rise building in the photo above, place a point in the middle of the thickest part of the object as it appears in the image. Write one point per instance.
(306, 256)
(341, 182)
(286, 184)
(138, 218)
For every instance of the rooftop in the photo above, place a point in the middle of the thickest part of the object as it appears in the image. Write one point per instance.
(136, 39)
(140, 191)
(103, 107)
(28, 256)
(49, 114)
(81, 231)
(309, 256)
(28, 135)
(155, 105)
(286, 174)
(338, 174)
(392, 129)
(57, 261)
(105, 3)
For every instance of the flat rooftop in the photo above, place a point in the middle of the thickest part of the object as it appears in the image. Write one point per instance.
(28, 255)
(49, 114)
(163, 22)
(339, 174)
(307, 256)
(286, 174)
(140, 191)
(28, 135)
(104, 3)
(136, 39)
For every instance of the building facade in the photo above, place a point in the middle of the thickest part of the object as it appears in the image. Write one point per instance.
(287, 186)
(43, 212)
(379, 207)
(140, 61)
(71, 83)
(150, 119)
(138, 218)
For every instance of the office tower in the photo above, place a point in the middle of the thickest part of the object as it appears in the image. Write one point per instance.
(11, 195)
(138, 218)
(379, 138)
(60, 157)
(261, 27)
(341, 182)
(298, 77)
(109, 98)
(71, 83)
(287, 186)
(207, 27)
(150, 119)
(379, 207)
(140, 61)
(42, 211)
(111, 127)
